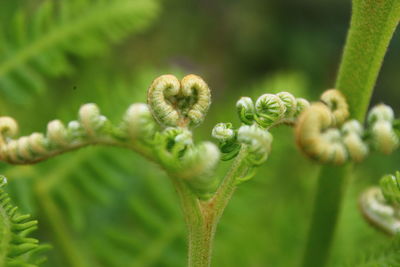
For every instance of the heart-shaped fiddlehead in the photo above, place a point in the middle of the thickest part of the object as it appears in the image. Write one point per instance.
(179, 104)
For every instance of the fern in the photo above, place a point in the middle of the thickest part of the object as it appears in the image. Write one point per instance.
(383, 255)
(106, 200)
(16, 248)
(40, 44)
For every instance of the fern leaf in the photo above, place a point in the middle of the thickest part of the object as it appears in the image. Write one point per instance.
(15, 245)
(382, 255)
(40, 45)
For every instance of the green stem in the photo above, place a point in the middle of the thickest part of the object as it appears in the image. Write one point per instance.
(330, 190)
(371, 29)
(202, 216)
(372, 26)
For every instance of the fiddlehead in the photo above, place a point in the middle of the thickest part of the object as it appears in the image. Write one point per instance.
(381, 206)
(269, 110)
(324, 135)
(16, 248)
(179, 104)
(384, 137)
(91, 128)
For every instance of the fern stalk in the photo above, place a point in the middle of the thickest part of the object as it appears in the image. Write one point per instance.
(372, 26)
(202, 217)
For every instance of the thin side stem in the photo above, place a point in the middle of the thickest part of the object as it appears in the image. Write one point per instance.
(202, 217)
(372, 27)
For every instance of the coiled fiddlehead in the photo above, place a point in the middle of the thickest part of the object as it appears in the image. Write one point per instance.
(269, 110)
(91, 128)
(381, 206)
(16, 248)
(324, 135)
(179, 104)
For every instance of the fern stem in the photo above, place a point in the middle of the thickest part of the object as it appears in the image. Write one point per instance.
(371, 29)
(202, 217)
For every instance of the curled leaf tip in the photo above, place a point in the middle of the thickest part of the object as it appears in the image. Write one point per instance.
(175, 103)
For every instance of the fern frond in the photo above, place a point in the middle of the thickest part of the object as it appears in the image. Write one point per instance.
(39, 45)
(16, 248)
(383, 255)
(93, 192)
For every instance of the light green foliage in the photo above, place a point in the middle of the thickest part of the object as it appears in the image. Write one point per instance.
(16, 247)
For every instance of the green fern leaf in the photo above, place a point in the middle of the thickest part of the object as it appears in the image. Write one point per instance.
(16, 248)
(40, 45)
(382, 255)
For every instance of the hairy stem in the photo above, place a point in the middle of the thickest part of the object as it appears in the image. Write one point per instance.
(372, 27)
(330, 190)
(202, 217)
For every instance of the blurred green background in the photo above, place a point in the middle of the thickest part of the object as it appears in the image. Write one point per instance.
(109, 207)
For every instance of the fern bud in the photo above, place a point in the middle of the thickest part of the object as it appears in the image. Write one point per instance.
(246, 110)
(378, 212)
(139, 122)
(337, 103)
(90, 119)
(196, 89)
(10, 151)
(384, 138)
(223, 132)
(163, 110)
(352, 138)
(331, 147)
(198, 164)
(301, 104)
(37, 143)
(269, 109)
(315, 138)
(185, 138)
(8, 128)
(23, 148)
(290, 103)
(390, 186)
(259, 142)
(179, 104)
(57, 133)
(380, 112)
